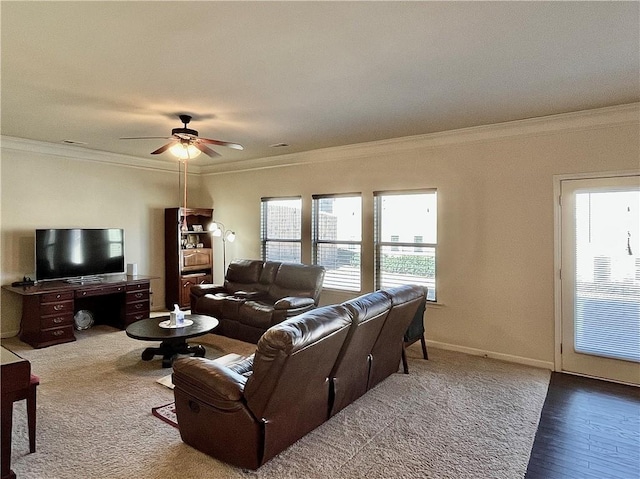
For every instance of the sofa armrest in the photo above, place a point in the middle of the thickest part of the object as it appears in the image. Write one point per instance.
(293, 302)
(199, 290)
(239, 364)
(210, 382)
(252, 295)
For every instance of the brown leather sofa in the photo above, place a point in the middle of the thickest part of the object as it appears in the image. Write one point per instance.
(256, 295)
(304, 370)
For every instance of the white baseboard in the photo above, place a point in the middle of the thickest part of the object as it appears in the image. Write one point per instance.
(9, 334)
(493, 355)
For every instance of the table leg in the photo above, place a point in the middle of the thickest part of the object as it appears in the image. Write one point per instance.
(5, 439)
(169, 350)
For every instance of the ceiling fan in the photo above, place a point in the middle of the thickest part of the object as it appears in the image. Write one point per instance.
(187, 142)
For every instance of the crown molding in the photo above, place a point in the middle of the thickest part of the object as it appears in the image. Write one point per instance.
(10, 143)
(628, 114)
(606, 117)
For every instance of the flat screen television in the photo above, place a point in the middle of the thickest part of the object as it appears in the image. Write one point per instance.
(78, 252)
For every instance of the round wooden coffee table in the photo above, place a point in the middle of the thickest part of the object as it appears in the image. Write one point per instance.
(173, 340)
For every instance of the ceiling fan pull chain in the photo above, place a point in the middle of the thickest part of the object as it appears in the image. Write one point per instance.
(185, 182)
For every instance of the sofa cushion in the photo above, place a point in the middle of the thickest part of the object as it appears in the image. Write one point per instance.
(223, 305)
(244, 271)
(258, 314)
(216, 385)
(268, 275)
(293, 302)
(350, 375)
(243, 275)
(296, 280)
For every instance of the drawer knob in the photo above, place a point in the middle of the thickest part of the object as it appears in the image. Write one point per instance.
(58, 320)
(58, 307)
(58, 333)
(139, 295)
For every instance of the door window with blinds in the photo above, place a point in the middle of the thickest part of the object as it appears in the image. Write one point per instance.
(607, 282)
(337, 239)
(281, 229)
(406, 239)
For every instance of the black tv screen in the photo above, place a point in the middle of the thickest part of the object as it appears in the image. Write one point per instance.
(72, 253)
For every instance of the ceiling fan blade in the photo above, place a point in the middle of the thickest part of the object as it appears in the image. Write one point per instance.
(221, 143)
(164, 148)
(206, 150)
(146, 138)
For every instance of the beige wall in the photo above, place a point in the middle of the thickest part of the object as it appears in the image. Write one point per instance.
(496, 214)
(43, 190)
(495, 262)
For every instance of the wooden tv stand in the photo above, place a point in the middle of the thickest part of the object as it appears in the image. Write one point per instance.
(48, 307)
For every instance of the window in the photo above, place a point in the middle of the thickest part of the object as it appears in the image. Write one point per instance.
(337, 239)
(280, 229)
(406, 239)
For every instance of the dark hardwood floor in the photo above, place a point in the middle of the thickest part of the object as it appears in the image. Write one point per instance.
(589, 429)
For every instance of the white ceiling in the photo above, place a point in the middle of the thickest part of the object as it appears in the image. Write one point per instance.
(310, 74)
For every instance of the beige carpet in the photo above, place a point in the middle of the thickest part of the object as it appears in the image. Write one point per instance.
(454, 416)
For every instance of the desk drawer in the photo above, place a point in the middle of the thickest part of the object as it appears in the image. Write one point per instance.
(139, 307)
(54, 297)
(102, 291)
(133, 317)
(133, 296)
(60, 307)
(56, 335)
(137, 286)
(47, 322)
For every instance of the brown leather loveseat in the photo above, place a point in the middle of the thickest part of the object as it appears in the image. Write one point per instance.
(304, 371)
(258, 294)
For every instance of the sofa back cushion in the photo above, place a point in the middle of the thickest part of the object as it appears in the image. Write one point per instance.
(387, 350)
(350, 375)
(243, 274)
(301, 280)
(289, 387)
(269, 271)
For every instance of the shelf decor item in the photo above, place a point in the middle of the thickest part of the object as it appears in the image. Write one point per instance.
(197, 228)
(192, 239)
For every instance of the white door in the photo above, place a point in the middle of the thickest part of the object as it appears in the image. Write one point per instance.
(600, 277)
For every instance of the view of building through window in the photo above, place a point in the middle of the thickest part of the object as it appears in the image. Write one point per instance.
(607, 294)
(406, 239)
(281, 229)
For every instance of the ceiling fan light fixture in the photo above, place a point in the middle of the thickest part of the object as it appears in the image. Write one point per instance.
(185, 143)
(184, 151)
